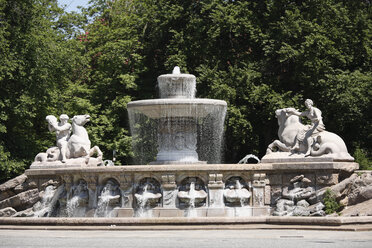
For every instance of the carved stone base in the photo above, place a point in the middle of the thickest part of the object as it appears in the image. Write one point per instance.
(267, 182)
(72, 162)
(176, 162)
(278, 157)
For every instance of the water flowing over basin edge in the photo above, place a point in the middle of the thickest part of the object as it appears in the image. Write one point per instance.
(182, 107)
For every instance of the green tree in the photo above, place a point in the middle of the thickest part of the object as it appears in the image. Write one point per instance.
(36, 69)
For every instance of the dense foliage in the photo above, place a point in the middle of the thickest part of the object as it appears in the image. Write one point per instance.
(257, 55)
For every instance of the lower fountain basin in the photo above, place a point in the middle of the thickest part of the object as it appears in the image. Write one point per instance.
(198, 197)
(163, 108)
(148, 199)
(236, 195)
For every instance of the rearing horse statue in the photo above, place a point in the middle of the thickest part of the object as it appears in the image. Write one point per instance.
(79, 143)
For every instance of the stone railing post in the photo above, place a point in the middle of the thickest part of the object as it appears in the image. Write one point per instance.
(215, 190)
(126, 191)
(259, 189)
(92, 182)
(169, 190)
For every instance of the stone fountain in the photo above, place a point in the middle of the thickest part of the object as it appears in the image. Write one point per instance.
(183, 124)
(177, 141)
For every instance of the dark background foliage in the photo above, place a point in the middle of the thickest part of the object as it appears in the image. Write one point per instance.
(257, 55)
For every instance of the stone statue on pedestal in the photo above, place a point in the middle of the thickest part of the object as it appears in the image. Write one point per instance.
(74, 149)
(299, 141)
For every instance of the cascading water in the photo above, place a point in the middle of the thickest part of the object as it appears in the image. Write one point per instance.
(147, 198)
(142, 201)
(186, 129)
(72, 206)
(108, 200)
(239, 193)
(46, 207)
(192, 195)
(191, 209)
(237, 196)
(76, 206)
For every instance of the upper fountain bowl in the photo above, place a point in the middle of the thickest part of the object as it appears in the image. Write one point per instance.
(177, 85)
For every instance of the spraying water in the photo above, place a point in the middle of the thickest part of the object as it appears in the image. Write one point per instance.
(46, 207)
(76, 206)
(147, 198)
(108, 200)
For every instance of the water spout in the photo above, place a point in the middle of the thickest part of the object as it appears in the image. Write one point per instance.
(176, 70)
(108, 200)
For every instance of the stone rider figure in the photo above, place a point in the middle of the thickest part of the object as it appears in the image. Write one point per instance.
(62, 130)
(315, 116)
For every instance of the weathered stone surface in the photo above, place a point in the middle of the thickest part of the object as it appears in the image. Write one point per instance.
(326, 179)
(303, 203)
(359, 195)
(339, 189)
(316, 207)
(267, 195)
(22, 200)
(28, 184)
(275, 179)
(7, 212)
(318, 213)
(301, 211)
(50, 182)
(284, 207)
(306, 181)
(7, 188)
(276, 193)
(298, 194)
(25, 213)
(287, 179)
(361, 209)
(297, 179)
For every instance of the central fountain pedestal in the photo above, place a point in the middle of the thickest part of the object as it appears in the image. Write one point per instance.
(188, 130)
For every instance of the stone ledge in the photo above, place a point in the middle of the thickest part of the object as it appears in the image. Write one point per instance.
(272, 220)
(262, 167)
(353, 228)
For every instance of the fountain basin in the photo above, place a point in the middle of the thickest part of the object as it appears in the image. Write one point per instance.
(198, 197)
(176, 107)
(177, 85)
(149, 198)
(236, 195)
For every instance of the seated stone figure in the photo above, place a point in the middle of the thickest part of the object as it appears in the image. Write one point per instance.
(297, 140)
(315, 116)
(63, 130)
